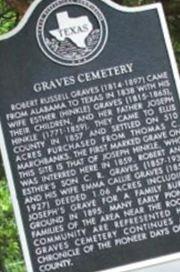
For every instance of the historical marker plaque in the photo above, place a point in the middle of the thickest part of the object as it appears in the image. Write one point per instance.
(90, 136)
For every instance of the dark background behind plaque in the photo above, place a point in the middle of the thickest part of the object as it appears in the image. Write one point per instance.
(11, 12)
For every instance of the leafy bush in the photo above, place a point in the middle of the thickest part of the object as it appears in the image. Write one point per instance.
(9, 244)
(8, 17)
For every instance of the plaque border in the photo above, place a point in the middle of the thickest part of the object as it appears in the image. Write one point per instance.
(7, 164)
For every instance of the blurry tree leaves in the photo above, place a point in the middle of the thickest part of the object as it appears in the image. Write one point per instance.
(9, 242)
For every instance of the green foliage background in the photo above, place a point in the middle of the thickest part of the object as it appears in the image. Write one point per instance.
(10, 253)
(8, 17)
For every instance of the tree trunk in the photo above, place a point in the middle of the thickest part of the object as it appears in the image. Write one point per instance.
(19, 5)
(171, 9)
